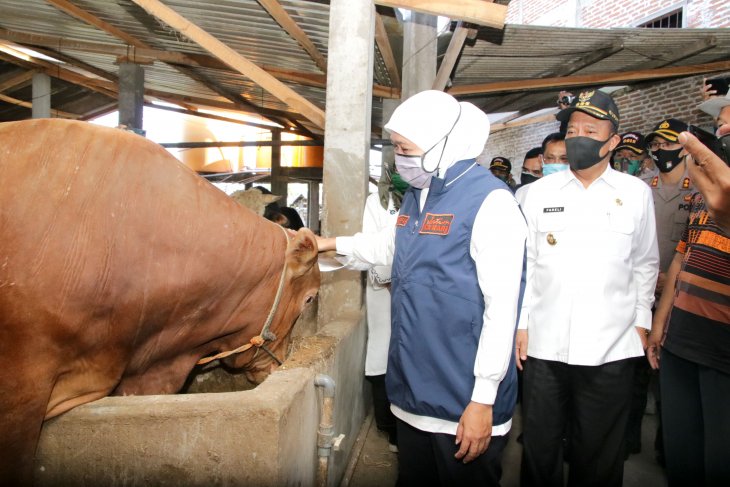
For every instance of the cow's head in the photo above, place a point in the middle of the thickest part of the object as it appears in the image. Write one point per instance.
(301, 285)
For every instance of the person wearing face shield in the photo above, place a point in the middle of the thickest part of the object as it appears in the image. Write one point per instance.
(457, 254)
(630, 153)
(689, 341)
(592, 262)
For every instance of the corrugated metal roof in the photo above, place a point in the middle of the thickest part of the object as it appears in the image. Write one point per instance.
(516, 53)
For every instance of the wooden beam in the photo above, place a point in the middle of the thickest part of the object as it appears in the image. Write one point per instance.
(449, 60)
(235, 60)
(482, 12)
(564, 70)
(381, 39)
(91, 19)
(281, 17)
(134, 53)
(497, 127)
(8, 83)
(101, 86)
(625, 77)
(58, 113)
(85, 16)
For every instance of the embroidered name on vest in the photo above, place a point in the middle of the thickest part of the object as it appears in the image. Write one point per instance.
(436, 224)
(402, 220)
(554, 209)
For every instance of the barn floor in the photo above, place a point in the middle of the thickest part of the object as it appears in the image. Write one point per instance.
(376, 466)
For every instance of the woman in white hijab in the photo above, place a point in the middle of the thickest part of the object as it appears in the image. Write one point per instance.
(457, 255)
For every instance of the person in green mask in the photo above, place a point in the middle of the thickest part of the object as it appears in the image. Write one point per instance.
(381, 211)
(629, 154)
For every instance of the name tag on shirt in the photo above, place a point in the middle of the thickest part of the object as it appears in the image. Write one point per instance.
(436, 224)
(554, 209)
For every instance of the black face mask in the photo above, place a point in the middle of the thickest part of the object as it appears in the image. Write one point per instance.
(666, 160)
(528, 178)
(584, 152)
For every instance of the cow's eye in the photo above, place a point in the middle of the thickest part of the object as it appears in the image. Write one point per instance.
(309, 299)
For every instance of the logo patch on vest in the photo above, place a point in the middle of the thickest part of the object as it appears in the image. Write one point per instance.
(436, 224)
(402, 220)
(554, 209)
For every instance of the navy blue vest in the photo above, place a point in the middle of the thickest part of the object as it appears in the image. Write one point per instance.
(437, 304)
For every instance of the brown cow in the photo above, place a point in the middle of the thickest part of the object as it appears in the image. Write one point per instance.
(119, 269)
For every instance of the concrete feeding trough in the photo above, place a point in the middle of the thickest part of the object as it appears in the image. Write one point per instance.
(263, 436)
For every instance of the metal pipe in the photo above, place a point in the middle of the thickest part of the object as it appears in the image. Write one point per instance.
(326, 432)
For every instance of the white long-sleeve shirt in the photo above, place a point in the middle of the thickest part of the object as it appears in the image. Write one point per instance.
(497, 246)
(377, 294)
(592, 265)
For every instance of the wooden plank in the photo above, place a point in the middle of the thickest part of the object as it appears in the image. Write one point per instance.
(58, 113)
(292, 28)
(381, 39)
(482, 12)
(625, 77)
(238, 62)
(449, 60)
(13, 81)
(85, 16)
(134, 53)
(497, 127)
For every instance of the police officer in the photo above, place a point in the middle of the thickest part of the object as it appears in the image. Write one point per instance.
(630, 153)
(671, 189)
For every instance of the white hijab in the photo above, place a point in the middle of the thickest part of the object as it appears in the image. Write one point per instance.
(428, 117)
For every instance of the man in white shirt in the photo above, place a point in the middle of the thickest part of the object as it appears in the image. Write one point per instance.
(592, 263)
(457, 251)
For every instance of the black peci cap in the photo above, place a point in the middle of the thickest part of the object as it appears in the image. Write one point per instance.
(595, 103)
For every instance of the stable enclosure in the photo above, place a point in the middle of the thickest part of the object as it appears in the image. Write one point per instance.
(259, 437)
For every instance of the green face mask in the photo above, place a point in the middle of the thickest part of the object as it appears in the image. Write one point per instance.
(398, 184)
(631, 166)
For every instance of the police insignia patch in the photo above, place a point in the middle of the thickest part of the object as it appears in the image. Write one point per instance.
(655, 181)
(436, 224)
(685, 183)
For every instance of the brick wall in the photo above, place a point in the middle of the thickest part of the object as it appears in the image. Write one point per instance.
(615, 13)
(642, 106)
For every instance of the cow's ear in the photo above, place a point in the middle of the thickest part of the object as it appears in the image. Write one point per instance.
(301, 254)
(269, 198)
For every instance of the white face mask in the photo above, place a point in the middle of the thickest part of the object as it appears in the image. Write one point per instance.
(411, 171)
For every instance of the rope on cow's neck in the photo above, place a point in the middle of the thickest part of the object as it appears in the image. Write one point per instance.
(259, 341)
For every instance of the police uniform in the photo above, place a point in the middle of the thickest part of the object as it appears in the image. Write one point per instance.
(671, 206)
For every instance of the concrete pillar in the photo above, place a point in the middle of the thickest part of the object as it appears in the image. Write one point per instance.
(41, 96)
(347, 142)
(389, 105)
(419, 53)
(279, 184)
(131, 95)
(313, 206)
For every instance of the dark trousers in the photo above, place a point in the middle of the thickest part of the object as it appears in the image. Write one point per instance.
(696, 415)
(384, 419)
(593, 402)
(639, 391)
(427, 459)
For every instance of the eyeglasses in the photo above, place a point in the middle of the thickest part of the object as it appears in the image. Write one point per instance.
(536, 172)
(554, 160)
(664, 145)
